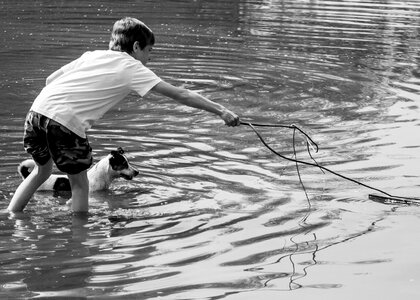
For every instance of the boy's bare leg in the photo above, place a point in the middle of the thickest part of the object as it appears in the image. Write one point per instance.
(29, 186)
(79, 191)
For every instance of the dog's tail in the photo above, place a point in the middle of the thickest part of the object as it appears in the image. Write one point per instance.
(25, 168)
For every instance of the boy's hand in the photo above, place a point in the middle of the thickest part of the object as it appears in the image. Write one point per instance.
(230, 118)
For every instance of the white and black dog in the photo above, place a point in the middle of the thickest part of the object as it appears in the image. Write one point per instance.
(100, 176)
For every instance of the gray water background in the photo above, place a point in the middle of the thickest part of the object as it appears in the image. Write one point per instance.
(214, 214)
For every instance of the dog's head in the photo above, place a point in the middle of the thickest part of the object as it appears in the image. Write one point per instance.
(119, 163)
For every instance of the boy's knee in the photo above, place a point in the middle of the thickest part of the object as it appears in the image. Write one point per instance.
(43, 171)
(79, 179)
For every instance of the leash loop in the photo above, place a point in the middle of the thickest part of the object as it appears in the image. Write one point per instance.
(390, 198)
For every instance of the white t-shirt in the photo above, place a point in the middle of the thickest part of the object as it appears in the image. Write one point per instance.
(82, 91)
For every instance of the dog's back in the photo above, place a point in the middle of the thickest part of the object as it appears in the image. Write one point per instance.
(26, 167)
(54, 182)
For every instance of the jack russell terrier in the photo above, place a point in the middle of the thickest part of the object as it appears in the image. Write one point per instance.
(100, 176)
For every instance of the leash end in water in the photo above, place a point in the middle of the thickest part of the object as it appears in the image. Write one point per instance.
(394, 199)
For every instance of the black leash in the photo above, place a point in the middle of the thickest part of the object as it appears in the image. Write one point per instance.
(388, 198)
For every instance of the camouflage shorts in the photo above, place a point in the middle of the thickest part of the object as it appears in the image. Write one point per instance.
(45, 139)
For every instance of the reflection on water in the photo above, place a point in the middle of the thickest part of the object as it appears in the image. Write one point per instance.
(214, 214)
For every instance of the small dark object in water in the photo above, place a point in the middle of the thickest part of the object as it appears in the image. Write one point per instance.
(118, 218)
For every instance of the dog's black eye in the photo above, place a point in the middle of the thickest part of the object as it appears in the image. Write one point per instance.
(118, 162)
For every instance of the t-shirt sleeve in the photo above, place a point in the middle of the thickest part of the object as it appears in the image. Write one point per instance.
(143, 80)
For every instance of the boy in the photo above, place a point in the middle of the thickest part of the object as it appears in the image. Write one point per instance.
(80, 93)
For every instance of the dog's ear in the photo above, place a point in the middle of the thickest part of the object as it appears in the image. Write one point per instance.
(118, 151)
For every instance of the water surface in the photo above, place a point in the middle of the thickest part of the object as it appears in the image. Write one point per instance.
(214, 214)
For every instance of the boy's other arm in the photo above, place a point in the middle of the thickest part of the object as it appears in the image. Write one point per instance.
(195, 100)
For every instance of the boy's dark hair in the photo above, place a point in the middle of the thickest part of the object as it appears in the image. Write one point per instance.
(127, 31)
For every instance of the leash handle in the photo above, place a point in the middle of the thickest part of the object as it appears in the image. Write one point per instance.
(292, 126)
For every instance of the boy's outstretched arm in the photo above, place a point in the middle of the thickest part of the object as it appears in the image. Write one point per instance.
(195, 100)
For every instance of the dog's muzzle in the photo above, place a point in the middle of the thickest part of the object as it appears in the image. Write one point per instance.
(129, 175)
